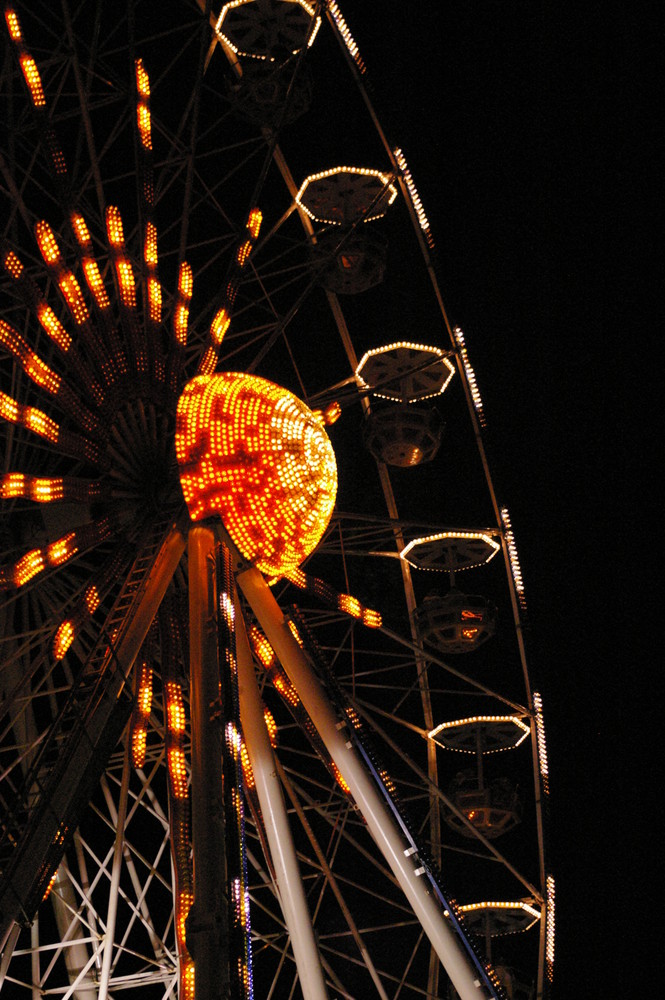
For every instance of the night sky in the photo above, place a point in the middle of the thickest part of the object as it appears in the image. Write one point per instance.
(524, 128)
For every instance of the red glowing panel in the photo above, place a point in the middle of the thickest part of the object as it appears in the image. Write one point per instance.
(114, 229)
(154, 300)
(41, 374)
(219, 326)
(47, 244)
(271, 726)
(95, 283)
(143, 122)
(13, 265)
(254, 222)
(73, 295)
(92, 599)
(64, 637)
(53, 327)
(185, 901)
(175, 707)
(254, 454)
(142, 80)
(13, 25)
(178, 772)
(28, 566)
(33, 80)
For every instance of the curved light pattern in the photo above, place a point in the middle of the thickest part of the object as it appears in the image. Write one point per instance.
(247, 772)
(254, 222)
(143, 106)
(405, 346)
(177, 772)
(184, 297)
(355, 171)
(123, 269)
(87, 604)
(141, 716)
(514, 559)
(55, 554)
(339, 778)
(293, 629)
(69, 628)
(343, 602)
(63, 639)
(517, 906)
(261, 647)
(12, 264)
(41, 375)
(549, 935)
(470, 376)
(91, 598)
(36, 369)
(254, 454)
(345, 35)
(423, 221)
(39, 423)
(29, 417)
(222, 318)
(27, 63)
(486, 720)
(13, 25)
(69, 286)
(265, 654)
(224, 37)
(33, 82)
(90, 267)
(330, 415)
(540, 738)
(271, 726)
(175, 708)
(443, 535)
(47, 243)
(50, 885)
(53, 327)
(154, 287)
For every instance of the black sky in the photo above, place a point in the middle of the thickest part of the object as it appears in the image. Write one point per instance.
(530, 140)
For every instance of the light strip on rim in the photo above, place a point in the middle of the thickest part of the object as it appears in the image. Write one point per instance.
(470, 375)
(540, 738)
(423, 221)
(514, 558)
(346, 36)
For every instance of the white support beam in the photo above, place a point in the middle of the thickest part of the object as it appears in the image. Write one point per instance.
(287, 872)
(380, 821)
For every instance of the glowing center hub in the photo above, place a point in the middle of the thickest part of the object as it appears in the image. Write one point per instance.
(254, 454)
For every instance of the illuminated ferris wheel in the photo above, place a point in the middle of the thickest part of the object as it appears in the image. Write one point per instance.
(260, 737)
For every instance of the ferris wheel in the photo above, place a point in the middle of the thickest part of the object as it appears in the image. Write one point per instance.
(260, 737)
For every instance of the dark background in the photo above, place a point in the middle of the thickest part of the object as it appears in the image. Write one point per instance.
(529, 133)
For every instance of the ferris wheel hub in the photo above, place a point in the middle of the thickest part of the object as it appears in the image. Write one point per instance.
(254, 454)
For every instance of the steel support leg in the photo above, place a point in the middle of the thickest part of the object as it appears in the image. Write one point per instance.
(207, 923)
(380, 822)
(287, 872)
